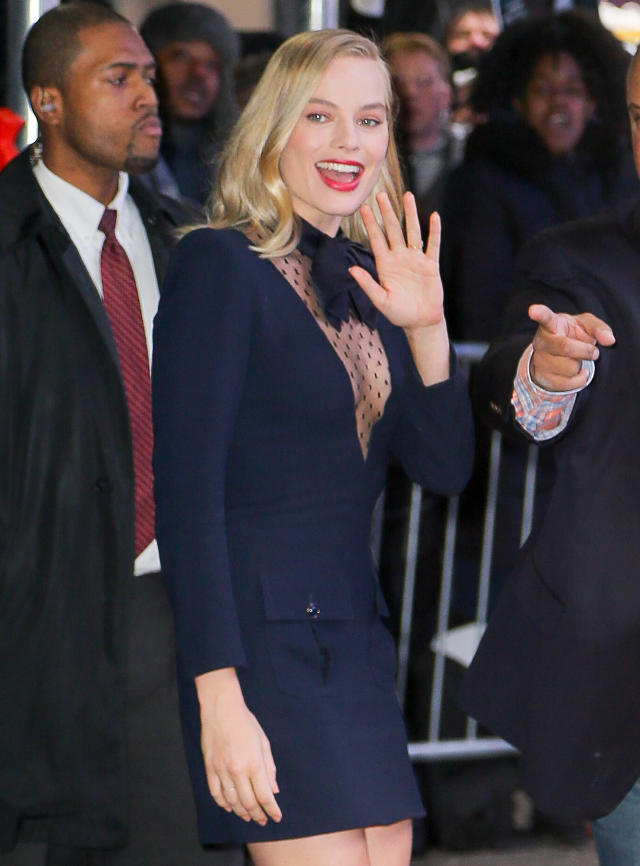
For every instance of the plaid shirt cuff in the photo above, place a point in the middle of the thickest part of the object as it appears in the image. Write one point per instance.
(543, 414)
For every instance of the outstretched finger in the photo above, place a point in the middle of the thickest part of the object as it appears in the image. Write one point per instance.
(412, 223)
(377, 295)
(377, 239)
(433, 241)
(596, 328)
(547, 319)
(391, 222)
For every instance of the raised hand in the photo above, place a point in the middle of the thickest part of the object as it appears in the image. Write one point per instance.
(560, 344)
(237, 755)
(409, 291)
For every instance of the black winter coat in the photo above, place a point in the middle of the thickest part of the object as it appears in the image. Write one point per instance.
(66, 525)
(557, 672)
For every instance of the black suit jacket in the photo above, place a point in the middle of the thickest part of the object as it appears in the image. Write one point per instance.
(66, 525)
(557, 672)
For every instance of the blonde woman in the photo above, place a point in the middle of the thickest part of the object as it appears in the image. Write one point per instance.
(289, 361)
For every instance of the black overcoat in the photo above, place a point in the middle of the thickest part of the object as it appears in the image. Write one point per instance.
(66, 524)
(557, 671)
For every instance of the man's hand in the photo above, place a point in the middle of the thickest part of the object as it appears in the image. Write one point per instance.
(560, 345)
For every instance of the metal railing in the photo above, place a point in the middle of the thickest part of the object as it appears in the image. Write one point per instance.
(436, 747)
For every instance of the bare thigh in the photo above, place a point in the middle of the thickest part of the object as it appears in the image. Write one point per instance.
(347, 848)
(390, 845)
(374, 846)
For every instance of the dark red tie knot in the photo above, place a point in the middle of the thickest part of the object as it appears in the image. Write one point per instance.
(108, 222)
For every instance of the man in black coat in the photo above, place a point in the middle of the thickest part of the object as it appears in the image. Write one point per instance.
(557, 673)
(91, 763)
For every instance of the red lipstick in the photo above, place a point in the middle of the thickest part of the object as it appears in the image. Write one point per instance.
(341, 175)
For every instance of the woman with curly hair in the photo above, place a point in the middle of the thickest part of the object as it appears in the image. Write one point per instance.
(554, 147)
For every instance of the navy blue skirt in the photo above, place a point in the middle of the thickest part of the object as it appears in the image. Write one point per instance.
(324, 695)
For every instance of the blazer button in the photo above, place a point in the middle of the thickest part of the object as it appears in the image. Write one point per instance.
(313, 611)
(103, 485)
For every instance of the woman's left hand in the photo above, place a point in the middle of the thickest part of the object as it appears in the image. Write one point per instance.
(409, 292)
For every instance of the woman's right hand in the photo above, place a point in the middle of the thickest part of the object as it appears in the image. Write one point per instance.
(237, 755)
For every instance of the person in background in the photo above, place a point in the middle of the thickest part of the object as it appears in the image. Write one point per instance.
(288, 362)
(195, 49)
(556, 673)
(92, 769)
(554, 147)
(470, 31)
(429, 148)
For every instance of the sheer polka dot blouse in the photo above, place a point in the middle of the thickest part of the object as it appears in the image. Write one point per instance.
(359, 348)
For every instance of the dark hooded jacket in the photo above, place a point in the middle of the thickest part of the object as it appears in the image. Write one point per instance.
(189, 152)
(508, 188)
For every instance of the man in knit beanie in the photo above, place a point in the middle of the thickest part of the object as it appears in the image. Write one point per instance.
(195, 49)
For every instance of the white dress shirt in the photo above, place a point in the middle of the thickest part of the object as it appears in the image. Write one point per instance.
(80, 214)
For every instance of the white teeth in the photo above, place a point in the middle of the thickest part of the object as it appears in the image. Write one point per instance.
(339, 166)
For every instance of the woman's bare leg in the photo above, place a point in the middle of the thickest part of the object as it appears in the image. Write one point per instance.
(374, 846)
(348, 848)
(390, 845)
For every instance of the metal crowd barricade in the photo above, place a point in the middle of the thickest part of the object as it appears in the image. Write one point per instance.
(472, 745)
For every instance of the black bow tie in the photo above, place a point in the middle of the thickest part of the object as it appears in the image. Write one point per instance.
(336, 289)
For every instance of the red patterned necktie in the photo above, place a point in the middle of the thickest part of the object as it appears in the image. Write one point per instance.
(121, 303)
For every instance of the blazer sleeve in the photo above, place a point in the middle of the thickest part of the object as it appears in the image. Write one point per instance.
(434, 436)
(201, 345)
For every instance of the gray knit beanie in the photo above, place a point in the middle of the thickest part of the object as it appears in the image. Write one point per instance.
(190, 22)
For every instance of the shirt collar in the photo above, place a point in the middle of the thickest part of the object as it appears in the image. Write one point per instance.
(75, 207)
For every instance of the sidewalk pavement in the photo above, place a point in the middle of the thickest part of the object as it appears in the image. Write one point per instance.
(539, 854)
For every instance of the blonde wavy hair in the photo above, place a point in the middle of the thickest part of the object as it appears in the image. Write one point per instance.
(249, 193)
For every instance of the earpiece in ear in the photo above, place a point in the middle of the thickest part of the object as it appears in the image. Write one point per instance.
(48, 106)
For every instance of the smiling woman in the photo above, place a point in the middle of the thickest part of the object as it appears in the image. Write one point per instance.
(318, 164)
(289, 360)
